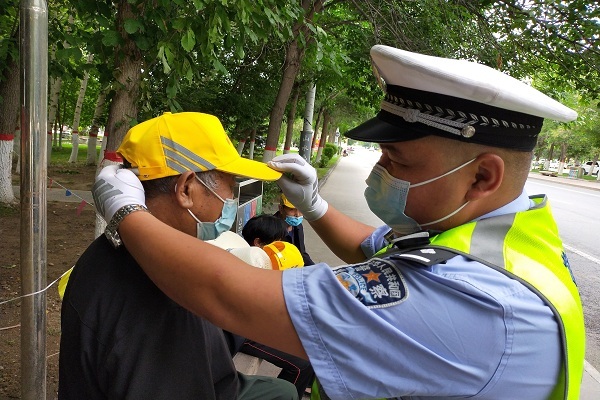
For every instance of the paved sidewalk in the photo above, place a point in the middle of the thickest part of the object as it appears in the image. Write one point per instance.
(577, 182)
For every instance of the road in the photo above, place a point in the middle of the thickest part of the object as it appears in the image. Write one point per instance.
(577, 213)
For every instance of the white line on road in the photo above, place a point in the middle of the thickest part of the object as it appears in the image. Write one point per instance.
(581, 253)
(566, 190)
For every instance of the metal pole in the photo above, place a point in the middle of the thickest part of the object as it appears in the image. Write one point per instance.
(307, 131)
(34, 88)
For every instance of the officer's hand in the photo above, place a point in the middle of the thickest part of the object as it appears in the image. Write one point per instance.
(115, 188)
(300, 185)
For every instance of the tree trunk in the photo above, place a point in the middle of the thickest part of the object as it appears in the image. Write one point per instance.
(124, 105)
(252, 142)
(77, 114)
(294, 54)
(316, 134)
(128, 65)
(323, 140)
(9, 93)
(93, 140)
(240, 146)
(563, 156)
(291, 117)
(291, 67)
(93, 137)
(55, 85)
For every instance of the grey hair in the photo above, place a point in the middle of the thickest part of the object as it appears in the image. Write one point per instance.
(209, 178)
(166, 185)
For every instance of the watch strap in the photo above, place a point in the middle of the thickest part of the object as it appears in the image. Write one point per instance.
(111, 229)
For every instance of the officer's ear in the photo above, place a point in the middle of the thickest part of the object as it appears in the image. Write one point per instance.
(488, 173)
(184, 189)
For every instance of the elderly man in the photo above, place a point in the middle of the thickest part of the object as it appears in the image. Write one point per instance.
(465, 292)
(122, 338)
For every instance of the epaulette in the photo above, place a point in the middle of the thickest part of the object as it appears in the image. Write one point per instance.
(426, 256)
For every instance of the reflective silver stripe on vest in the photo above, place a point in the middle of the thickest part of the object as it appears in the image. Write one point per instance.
(176, 161)
(490, 231)
(486, 236)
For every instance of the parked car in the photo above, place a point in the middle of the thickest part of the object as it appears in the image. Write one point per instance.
(588, 166)
(553, 166)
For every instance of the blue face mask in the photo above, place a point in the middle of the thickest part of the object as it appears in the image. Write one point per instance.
(386, 197)
(212, 230)
(293, 221)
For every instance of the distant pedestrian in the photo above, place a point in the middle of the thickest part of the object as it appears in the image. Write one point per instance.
(295, 231)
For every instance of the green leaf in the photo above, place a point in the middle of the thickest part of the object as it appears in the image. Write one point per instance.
(188, 40)
(143, 43)
(163, 59)
(239, 52)
(110, 38)
(219, 67)
(199, 4)
(171, 91)
(132, 26)
(178, 24)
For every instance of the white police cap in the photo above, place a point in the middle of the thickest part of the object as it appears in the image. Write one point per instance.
(457, 99)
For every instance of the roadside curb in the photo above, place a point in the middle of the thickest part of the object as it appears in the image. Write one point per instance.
(592, 371)
(329, 171)
(582, 183)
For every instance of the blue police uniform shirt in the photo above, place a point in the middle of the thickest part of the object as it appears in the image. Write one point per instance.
(389, 329)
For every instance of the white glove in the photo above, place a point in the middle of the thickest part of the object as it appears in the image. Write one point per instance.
(302, 186)
(114, 188)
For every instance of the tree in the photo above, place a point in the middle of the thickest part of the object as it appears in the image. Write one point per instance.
(9, 96)
(294, 53)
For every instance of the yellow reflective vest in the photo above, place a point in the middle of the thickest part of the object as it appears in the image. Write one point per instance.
(526, 246)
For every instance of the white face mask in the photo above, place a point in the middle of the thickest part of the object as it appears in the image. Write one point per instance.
(386, 197)
(212, 230)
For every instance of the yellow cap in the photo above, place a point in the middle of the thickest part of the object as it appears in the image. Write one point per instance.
(286, 202)
(189, 141)
(284, 255)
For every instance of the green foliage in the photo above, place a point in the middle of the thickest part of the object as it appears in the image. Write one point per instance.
(225, 57)
(9, 210)
(9, 28)
(330, 150)
(324, 161)
(270, 194)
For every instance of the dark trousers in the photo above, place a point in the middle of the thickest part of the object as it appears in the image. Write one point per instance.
(255, 387)
(293, 369)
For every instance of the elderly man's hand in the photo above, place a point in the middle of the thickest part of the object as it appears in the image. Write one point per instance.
(115, 188)
(300, 185)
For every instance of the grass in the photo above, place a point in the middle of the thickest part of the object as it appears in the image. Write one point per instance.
(61, 155)
(8, 210)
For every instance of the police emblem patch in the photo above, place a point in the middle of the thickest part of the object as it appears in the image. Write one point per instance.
(375, 283)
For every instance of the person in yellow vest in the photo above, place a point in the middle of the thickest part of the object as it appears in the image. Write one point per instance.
(465, 292)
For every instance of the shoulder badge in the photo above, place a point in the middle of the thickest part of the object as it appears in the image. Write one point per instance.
(375, 283)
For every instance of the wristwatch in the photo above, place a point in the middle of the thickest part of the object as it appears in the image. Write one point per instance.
(111, 229)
